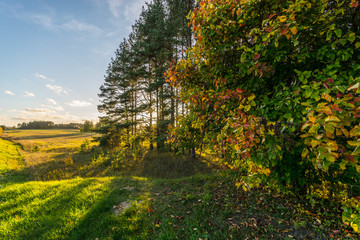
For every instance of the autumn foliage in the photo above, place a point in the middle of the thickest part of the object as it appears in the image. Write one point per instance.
(273, 87)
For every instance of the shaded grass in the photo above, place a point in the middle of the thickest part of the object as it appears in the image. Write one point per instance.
(205, 206)
(200, 207)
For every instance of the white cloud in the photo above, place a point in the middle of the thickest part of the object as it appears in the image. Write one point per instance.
(50, 100)
(128, 9)
(56, 108)
(38, 75)
(38, 110)
(29, 94)
(57, 89)
(79, 103)
(132, 11)
(9, 93)
(42, 20)
(74, 25)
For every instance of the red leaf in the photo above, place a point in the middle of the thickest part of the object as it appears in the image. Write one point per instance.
(268, 29)
(336, 107)
(350, 158)
(247, 125)
(226, 97)
(339, 95)
(272, 15)
(357, 99)
(329, 80)
(239, 90)
(354, 4)
(256, 56)
(283, 31)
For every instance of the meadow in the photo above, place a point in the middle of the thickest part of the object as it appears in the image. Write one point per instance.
(57, 184)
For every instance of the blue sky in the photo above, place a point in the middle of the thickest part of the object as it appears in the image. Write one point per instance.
(54, 55)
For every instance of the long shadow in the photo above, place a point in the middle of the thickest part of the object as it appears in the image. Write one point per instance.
(99, 220)
(52, 211)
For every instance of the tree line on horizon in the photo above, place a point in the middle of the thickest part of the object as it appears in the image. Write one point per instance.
(87, 126)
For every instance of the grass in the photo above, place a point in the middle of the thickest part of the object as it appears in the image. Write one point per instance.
(154, 196)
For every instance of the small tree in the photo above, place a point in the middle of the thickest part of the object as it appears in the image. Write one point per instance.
(88, 126)
(1, 131)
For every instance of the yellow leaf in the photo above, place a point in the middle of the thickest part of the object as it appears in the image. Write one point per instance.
(293, 30)
(276, 43)
(338, 132)
(251, 97)
(327, 97)
(342, 165)
(282, 18)
(354, 143)
(346, 132)
(332, 119)
(304, 153)
(332, 145)
(354, 226)
(329, 135)
(312, 119)
(314, 143)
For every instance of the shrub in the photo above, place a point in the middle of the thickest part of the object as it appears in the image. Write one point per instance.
(273, 86)
(85, 146)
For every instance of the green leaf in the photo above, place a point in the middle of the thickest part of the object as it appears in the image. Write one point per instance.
(357, 45)
(307, 93)
(338, 33)
(354, 143)
(343, 41)
(328, 36)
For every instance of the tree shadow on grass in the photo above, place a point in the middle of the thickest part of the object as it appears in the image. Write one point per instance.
(171, 165)
(87, 164)
(100, 220)
(44, 212)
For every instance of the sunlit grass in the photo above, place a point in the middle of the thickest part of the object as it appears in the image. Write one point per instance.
(10, 158)
(144, 195)
(68, 209)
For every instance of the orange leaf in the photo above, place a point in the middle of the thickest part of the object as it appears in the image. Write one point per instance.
(312, 119)
(354, 4)
(293, 30)
(257, 56)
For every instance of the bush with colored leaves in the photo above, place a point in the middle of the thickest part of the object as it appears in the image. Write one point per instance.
(273, 86)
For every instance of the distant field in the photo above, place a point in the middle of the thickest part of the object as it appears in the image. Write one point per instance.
(49, 139)
(46, 151)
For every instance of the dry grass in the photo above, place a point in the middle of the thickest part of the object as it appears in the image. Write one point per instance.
(47, 150)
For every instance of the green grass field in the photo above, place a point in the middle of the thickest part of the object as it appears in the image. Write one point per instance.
(158, 196)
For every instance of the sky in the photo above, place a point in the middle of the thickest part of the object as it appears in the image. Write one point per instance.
(54, 55)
